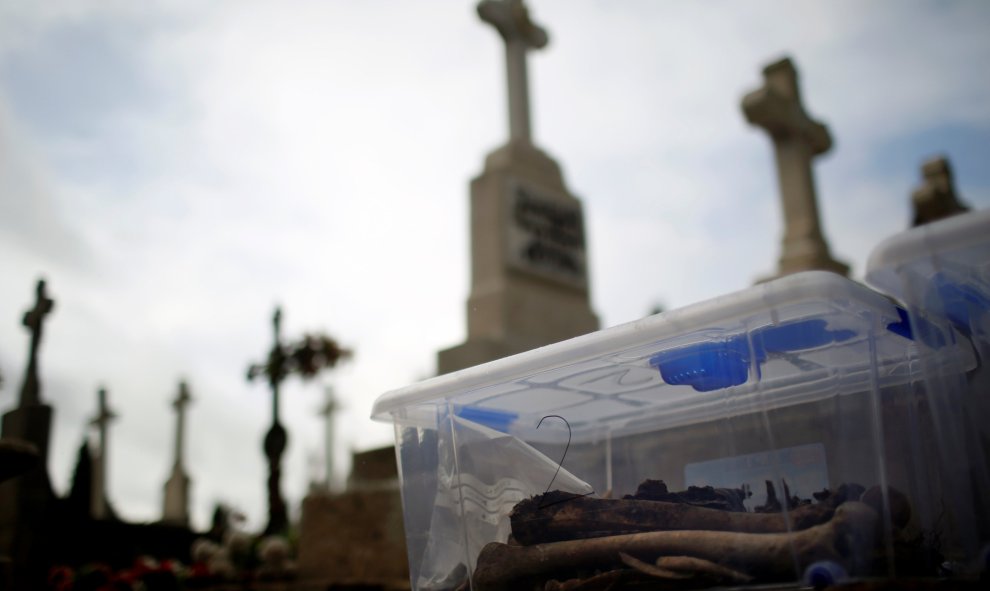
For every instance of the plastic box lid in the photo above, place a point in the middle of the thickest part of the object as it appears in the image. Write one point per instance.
(942, 268)
(782, 337)
(940, 272)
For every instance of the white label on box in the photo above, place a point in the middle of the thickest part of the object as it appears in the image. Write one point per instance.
(803, 468)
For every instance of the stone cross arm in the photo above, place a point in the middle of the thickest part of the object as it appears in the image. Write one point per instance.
(43, 305)
(936, 198)
(34, 320)
(104, 414)
(776, 107)
(511, 19)
(179, 404)
(329, 408)
(183, 398)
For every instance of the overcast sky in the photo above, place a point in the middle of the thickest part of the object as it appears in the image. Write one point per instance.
(176, 169)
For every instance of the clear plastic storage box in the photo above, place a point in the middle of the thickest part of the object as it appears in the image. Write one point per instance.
(781, 434)
(940, 273)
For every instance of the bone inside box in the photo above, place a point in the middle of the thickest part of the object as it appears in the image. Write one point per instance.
(799, 431)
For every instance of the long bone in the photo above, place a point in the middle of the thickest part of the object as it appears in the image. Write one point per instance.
(846, 539)
(547, 518)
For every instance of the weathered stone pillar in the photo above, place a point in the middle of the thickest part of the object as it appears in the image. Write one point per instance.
(936, 197)
(529, 272)
(26, 500)
(797, 139)
(100, 499)
(176, 507)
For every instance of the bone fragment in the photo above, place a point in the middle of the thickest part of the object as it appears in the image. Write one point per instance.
(702, 567)
(900, 507)
(652, 570)
(846, 539)
(559, 516)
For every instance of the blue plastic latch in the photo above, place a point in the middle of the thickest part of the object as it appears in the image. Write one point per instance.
(705, 366)
(713, 365)
(500, 420)
(798, 336)
(915, 327)
(902, 326)
(962, 304)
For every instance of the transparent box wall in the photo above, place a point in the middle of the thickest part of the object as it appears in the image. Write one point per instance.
(810, 381)
(940, 274)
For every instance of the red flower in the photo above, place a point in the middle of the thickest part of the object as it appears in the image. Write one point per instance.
(60, 578)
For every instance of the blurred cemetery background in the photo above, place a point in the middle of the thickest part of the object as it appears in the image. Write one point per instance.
(252, 219)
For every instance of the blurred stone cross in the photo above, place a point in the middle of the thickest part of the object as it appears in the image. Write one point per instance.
(101, 421)
(34, 320)
(797, 139)
(936, 197)
(329, 408)
(307, 358)
(179, 404)
(176, 509)
(511, 19)
(276, 370)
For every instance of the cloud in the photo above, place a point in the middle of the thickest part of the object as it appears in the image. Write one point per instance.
(31, 223)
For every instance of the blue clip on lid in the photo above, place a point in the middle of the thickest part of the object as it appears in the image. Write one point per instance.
(962, 304)
(713, 365)
(494, 419)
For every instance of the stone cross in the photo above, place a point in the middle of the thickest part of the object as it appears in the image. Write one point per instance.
(936, 197)
(34, 320)
(511, 19)
(180, 403)
(276, 370)
(176, 506)
(329, 408)
(797, 139)
(101, 421)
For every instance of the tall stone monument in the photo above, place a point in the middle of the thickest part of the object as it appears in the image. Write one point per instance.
(936, 197)
(26, 501)
(329, 408)
(797, 139)
(176, 507)
(354, 538)
(529, 272)
(276, 438)
(307, 357)
(101, 504)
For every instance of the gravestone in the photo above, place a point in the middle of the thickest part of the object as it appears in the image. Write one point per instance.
(16, 457)
(306, 358)
(276, 438)
(797, 139)
(26, 501)
(329, 408)
(356, 537)
(936, 197)
(529, 271)
(101, 504)
(176, 506)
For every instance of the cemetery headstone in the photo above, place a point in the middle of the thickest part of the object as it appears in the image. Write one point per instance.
(307, 357)
(327, 411)
(26, 500)
(176, 507)
(356, 537)
(936, 197)
(797, 140)
(529, 264)
(276, 438)
(100, 499)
